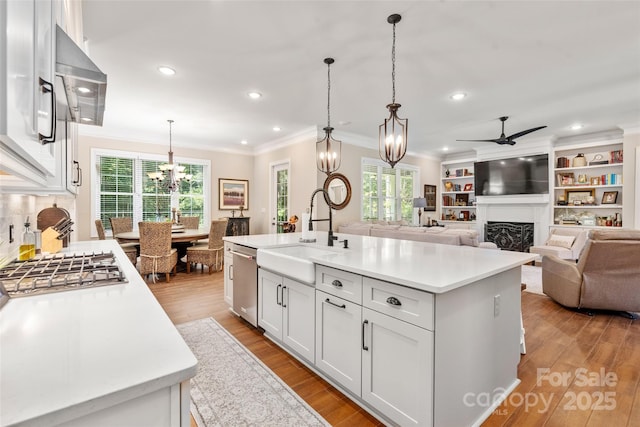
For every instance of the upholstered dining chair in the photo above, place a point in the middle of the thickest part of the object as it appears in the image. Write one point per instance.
(190, 222)
(212, 253)
(121, 224)
(129, 249)
(156, 254)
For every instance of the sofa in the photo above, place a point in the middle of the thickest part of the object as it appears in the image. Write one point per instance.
(606, 277)
(456, 235)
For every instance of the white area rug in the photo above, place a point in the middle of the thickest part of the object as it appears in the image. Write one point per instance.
(234, 388)
(532, 277)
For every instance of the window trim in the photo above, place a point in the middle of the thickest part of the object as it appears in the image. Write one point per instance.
(367, 161)
(96, 153)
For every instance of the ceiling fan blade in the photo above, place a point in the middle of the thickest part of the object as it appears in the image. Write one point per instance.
(524, 132)
(479, 140)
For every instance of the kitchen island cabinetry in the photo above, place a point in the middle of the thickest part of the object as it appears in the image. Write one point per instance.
(286, 312)
(228, 274)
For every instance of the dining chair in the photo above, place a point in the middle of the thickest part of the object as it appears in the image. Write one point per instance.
(211, 254)
(190, 222)
(156, 253)
(121, 224)
(129, 249)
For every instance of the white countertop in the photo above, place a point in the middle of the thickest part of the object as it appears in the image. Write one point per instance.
(429, 267)
(67, 354)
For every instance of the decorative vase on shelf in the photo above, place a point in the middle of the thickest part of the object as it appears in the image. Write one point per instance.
(579, 161)
(447, 173)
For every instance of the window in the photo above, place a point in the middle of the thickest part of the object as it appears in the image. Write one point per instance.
(123, 188)
(387, 193)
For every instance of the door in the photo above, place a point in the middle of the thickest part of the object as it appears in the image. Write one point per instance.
(397, 369)
(338, 340)
(280, 173)
(298, 327)
(270, 302)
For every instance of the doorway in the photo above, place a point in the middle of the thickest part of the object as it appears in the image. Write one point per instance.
(280, 173)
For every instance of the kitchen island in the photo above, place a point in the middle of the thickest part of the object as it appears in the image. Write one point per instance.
(416, 333)
(100, 356)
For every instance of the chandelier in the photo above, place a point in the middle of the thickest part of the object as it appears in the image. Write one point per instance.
(328, 150)
(170, 174)
(392, 135)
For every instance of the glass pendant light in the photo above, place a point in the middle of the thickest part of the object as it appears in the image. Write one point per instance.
(328, 150)
(392, 136)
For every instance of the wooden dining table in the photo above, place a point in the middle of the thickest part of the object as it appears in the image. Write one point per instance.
(182, 236)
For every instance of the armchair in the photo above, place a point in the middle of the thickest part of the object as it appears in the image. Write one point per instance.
(606, 277)
(564, 243)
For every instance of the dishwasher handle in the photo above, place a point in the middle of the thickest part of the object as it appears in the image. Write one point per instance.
(240, 254)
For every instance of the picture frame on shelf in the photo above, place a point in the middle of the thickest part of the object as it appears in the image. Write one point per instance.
(468, 186)
(233, 194)
(581, 196)
(566, 179)
(616, 156)
(609, 198)
(595, 180)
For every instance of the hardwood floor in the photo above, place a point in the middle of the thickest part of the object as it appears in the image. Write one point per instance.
(575, 349)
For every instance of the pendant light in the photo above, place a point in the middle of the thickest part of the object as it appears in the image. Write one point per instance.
(328, 150)
(392, 137)
(174, 173)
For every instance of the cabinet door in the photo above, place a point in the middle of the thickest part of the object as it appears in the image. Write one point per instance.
(228, 279)
(338, 340)
(298, 327)
(397, 369)
(270, 302)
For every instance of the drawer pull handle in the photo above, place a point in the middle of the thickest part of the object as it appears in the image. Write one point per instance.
(337, 283)
(334, 304)
(394, 301)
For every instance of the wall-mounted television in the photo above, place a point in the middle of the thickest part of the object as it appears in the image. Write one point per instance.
(516, 175)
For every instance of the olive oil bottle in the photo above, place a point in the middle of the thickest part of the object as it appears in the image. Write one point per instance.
(27, 249)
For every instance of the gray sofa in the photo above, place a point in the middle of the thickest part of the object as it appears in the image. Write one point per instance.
(448, 235)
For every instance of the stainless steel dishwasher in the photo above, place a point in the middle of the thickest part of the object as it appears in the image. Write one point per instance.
(245, 283)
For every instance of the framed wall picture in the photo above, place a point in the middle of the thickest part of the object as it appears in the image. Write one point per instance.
(581, 196)
(233, 194)
(609, 197)
(430, 195)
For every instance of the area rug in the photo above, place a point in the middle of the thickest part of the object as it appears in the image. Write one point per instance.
(532, 277)
(234, 388)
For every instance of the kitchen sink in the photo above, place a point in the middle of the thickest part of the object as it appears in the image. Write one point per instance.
(292, 261)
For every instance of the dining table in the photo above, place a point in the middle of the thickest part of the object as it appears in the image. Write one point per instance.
(178, 236)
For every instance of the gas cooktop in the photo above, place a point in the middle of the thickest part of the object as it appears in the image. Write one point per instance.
(55, 273)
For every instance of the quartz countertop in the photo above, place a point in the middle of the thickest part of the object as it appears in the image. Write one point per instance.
(71, 353)
(429, 267)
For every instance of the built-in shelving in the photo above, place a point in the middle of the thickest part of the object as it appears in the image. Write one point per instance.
(457, 192)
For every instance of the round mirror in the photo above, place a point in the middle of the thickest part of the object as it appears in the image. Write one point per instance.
(339, 190)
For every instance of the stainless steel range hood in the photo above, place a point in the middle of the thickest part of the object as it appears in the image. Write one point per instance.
(84, 84)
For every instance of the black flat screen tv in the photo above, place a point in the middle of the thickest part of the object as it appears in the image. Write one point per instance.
(516, 175)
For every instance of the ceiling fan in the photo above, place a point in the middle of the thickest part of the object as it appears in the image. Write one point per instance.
(510, 140)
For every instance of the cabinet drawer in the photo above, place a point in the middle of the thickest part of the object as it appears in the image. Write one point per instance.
(410, 305)
(339, 283)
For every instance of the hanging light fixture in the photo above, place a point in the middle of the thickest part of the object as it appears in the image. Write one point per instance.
(328, 150)
(170, 174)
(392, 137)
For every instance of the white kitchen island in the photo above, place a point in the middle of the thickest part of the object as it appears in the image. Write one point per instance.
(416, 333)
(103, 356)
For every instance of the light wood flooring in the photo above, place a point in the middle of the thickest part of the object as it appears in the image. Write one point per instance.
(557, 339)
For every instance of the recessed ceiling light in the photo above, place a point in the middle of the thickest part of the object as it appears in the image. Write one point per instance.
(255, 95)
(244, 142)
(84, 90)
(167, 71)
(445, 148)
(86, 119)
(276, 128)
(458, 96)
(576, 126)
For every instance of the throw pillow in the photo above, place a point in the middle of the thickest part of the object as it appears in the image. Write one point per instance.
(561, 241)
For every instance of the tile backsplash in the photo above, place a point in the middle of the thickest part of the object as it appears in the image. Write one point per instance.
(15, 208)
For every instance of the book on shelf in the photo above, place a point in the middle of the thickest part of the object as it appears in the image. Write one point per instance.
(562, 162)
(616, 156)
(611, 179)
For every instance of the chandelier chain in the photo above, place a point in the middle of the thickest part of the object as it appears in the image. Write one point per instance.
(328, 95)
(393, 67)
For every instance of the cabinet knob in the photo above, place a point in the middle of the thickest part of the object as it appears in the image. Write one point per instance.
(394, 301)
(337, 283)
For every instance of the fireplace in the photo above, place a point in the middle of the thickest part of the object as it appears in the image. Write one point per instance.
(510, 236)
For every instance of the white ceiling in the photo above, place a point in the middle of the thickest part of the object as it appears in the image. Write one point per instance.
(550, 63)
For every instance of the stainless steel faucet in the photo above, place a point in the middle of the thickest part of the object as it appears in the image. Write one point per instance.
(331, 237)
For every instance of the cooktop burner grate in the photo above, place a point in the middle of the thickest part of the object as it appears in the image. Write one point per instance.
(54, 273)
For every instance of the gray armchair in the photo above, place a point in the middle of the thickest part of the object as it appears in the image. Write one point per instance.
(606, 277)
